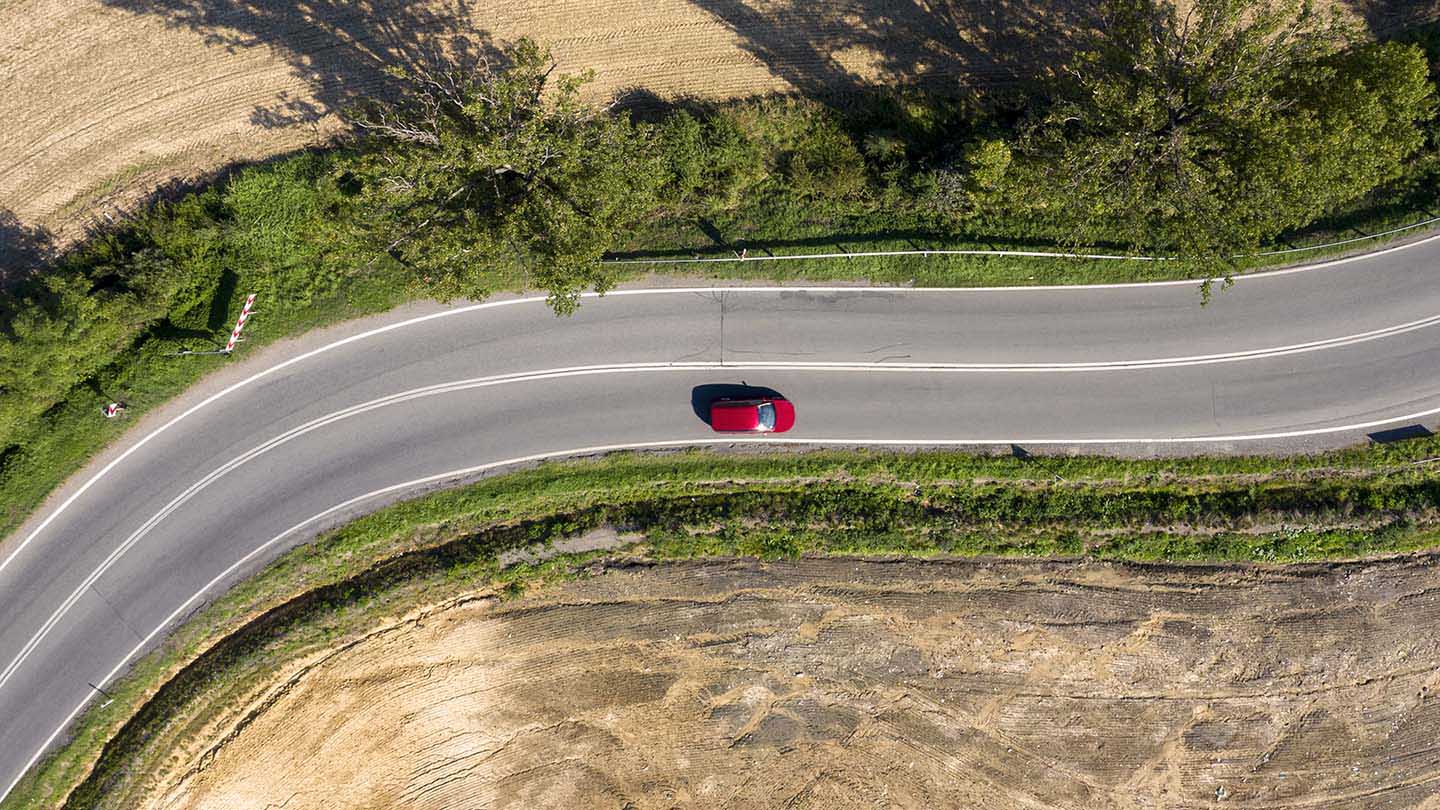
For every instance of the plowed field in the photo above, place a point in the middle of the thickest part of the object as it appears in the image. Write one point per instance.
(837, 683)
(107, 99)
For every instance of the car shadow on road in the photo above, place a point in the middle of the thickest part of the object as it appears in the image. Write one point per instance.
(702, 396)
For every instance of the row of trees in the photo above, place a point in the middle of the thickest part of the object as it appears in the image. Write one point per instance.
(1200, 133)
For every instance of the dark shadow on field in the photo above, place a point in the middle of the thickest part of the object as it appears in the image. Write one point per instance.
(721, 246)
(643, 104)
(702, 396)
(338, 47)
(1385, 18)
(955, 44)
(23, 249)
(708, 228)
(958, 44)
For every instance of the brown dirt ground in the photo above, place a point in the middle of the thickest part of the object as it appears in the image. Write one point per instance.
(842, 683)
(108, 99)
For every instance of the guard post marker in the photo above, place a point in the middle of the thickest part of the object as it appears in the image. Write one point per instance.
(240, 323)
(245, 313)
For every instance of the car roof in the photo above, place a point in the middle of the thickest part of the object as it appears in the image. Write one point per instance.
(735, 414)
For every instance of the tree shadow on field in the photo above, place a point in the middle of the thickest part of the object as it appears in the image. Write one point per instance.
(24, 249)
(1386, 18)
(856, 45)
(848, 46)
(339, 48)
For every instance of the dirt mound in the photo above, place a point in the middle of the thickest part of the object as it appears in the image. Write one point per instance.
(846, 684)
(107, 99)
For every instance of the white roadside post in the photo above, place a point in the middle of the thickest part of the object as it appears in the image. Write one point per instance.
(240, 324)
(245, 313)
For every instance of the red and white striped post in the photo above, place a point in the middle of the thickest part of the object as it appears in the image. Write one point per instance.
(240, 324)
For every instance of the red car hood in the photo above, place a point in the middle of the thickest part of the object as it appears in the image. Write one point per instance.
(784, 415)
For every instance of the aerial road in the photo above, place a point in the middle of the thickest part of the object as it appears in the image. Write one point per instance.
(304, 437)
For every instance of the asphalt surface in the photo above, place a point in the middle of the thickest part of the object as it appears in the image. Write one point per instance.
(1285, 361)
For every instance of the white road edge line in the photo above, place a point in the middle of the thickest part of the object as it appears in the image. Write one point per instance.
(584, 451)
(64, 505)
(546, 374)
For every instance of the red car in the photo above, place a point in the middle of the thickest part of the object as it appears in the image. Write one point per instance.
(768, 415)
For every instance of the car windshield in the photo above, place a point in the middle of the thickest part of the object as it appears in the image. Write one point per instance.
(767, 416)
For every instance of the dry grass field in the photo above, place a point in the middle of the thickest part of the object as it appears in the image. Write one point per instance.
(107, 99)
(842, 683)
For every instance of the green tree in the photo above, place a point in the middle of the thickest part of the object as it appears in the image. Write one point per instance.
(64, 330)
(1212, 130)
(483, 175)
(969, 185)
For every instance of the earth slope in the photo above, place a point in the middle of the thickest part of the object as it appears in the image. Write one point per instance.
(842, 683)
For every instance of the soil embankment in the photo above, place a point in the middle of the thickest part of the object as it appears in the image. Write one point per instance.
(843, 683)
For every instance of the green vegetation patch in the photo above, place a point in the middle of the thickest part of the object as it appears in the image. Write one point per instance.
(500, 178)
(700, 504)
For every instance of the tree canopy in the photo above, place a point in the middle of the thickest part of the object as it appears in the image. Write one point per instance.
(505, 168)
(1211, 128)
(70, 328)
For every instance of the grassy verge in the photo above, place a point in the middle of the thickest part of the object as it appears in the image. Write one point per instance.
(664, 246)
(697, 504)
(1011, 271)
(309, 286)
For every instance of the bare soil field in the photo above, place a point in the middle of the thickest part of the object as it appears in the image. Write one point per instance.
(844, 683)
(106, 100)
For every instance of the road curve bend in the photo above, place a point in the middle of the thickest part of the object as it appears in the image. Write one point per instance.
(1295, 359)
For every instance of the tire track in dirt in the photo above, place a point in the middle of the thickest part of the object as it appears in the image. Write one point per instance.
(863, 683)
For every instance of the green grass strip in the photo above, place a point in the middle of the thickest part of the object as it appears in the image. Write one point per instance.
(309, 279)
(699, 504)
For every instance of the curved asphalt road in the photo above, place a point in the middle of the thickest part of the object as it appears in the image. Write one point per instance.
(1285, 360)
